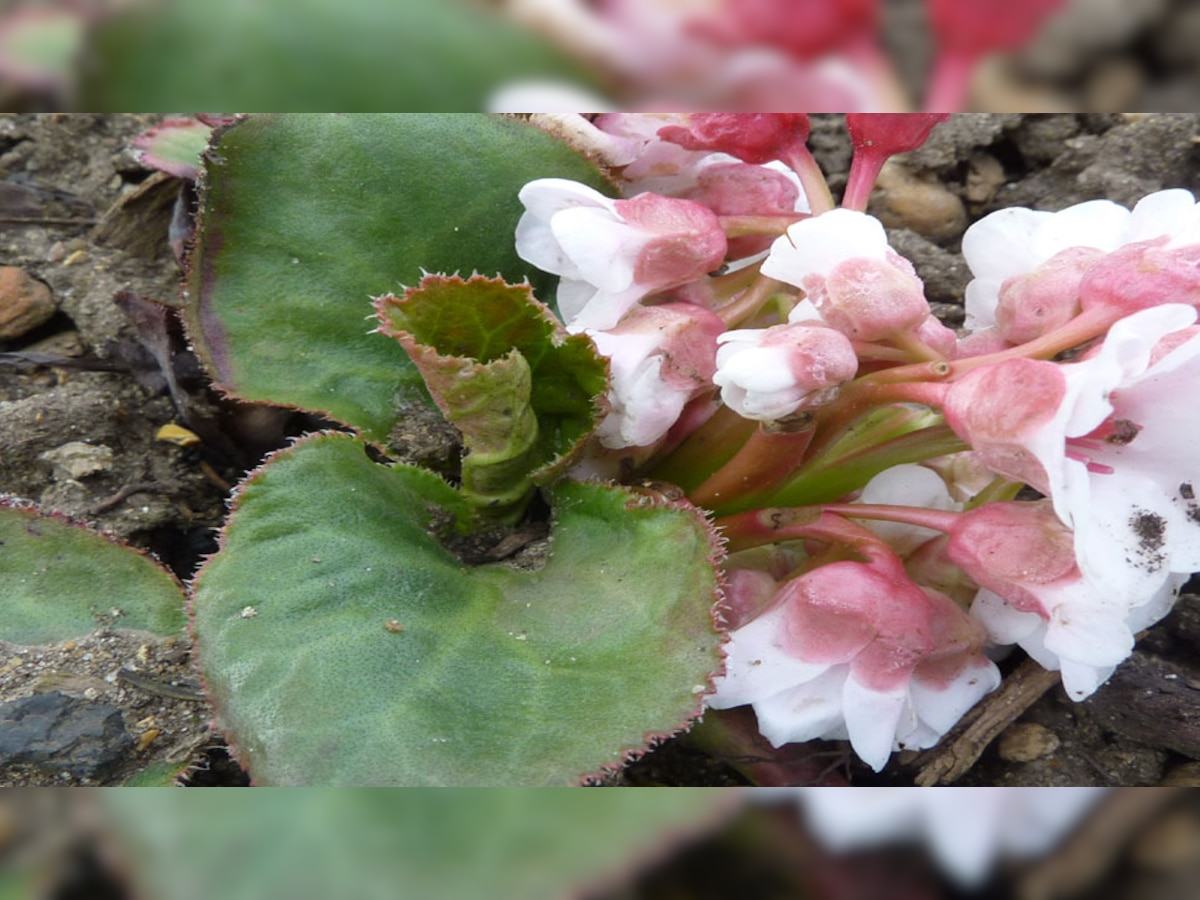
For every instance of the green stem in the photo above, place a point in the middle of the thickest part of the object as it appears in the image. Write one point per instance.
(749, 302)
(705, 450)
(742, 226)
(828, 479)
(762, 463)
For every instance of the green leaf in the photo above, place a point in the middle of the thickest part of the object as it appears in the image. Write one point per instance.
(311, 55)
(306, 217)
(59, 581)
(315, 844)
(524, 393)
(342, 644)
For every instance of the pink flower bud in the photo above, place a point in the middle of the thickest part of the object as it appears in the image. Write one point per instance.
(1138, 276)
(740, 189)
(886, 134)
(767, 374)
(876, 136)
(976, 27)
(1040, 301)
(1015, 550)
(680, 240)
(805, 28)
(870, 299)
(751, 137)
(1001, 410)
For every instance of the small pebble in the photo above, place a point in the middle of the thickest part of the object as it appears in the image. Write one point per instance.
(1027, 741)
(903, 200)
(1169, 843)
(25, 303)
(76, 459)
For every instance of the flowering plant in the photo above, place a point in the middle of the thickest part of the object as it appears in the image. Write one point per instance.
(838, 403)
(694, 441)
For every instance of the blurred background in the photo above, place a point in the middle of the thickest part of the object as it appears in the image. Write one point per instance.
(828, 844)
(588, 55)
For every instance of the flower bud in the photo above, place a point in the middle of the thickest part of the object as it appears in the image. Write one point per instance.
(767, 374)
(751, 137)
(870, 299)
(1040, 301)
(1001, 409)
(886, 134)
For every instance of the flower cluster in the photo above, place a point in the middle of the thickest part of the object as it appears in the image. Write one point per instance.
(774, 357)
(820, 55)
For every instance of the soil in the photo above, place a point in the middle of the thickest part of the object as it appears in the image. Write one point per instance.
(78, 213)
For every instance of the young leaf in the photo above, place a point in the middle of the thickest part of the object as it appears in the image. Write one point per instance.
(59, 581)
(174, 147)
(306, 217)
(341, 644)
(524, 393)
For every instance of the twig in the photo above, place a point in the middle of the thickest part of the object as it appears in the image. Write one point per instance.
(1094, 848)
(960, 750)
(137, 487)
(45, 220)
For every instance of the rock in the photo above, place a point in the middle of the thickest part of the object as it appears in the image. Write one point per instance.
(77, 459)
(1169, 843)
(944, 274)
(56, 733)
(1153, 700)
(1026, 741)
(903, 200)
(25, 303)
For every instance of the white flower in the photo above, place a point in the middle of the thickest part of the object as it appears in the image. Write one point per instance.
(857, 283)
(660, 358)
(814, 247)
(1016, 241)
(612, 253)
(827, 659)
(767, 374)
(966, 829)
(1110, 439)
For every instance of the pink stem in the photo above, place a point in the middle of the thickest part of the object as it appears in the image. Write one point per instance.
(864, 169)
(816, 188)
(950, 82)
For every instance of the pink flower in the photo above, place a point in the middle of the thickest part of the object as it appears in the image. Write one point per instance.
(1015, 242)
(842, 260)
(612, 253)
(856, 650)
(1034, 594)
(1110, 439)
(767, 374)
(660, 358)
